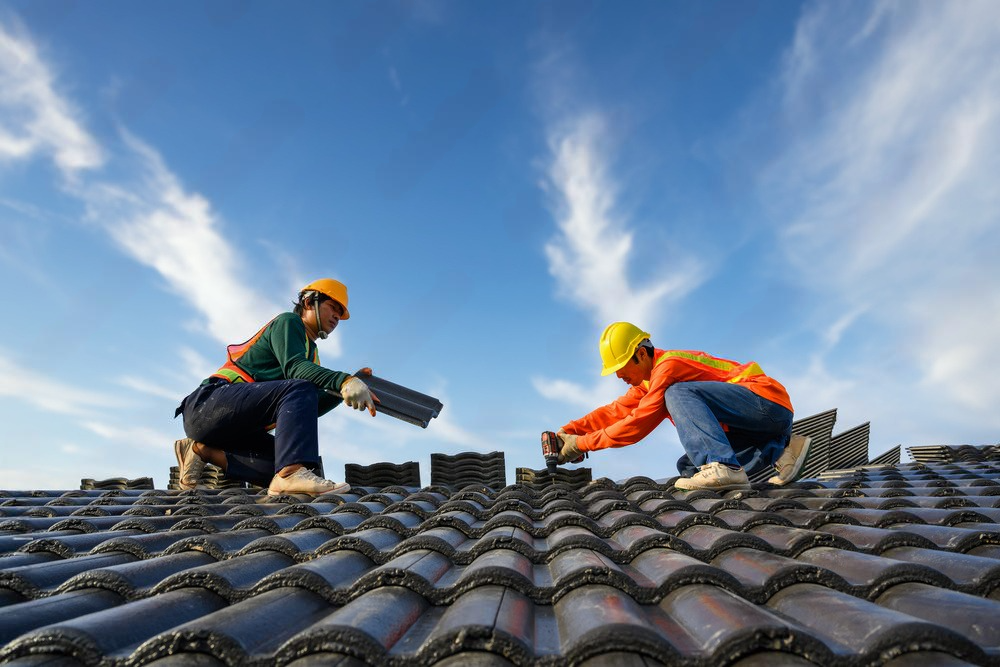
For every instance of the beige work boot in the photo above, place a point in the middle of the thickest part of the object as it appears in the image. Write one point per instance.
(189, 465)
(792, 461)
(714, 477)
(305, 481)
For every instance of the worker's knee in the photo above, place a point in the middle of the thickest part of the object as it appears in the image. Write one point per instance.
(676, 394)
(297, 387)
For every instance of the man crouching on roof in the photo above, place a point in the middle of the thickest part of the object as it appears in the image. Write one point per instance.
(730, 417)
(272, 381)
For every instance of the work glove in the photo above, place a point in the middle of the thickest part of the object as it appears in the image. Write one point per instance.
(357, 395)
(569, 451)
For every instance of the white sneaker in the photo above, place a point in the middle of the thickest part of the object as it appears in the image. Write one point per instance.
(305, 481)
(189, 465)
(792, 461)
(714, 477)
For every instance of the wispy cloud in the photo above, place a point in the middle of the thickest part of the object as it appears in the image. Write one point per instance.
(44, 393)
(34, 118)
(583, 398)
(132, 436)
(136, 199)
(887, 190)
(146, 386)
(590, 256)
(176, 232)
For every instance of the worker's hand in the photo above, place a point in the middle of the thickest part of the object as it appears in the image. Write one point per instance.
(363, 371)
(357, 395)
(569, 451)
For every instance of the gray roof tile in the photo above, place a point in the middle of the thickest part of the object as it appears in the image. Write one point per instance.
(895, 566)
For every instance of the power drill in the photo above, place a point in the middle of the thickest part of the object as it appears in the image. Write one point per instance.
(551, 446)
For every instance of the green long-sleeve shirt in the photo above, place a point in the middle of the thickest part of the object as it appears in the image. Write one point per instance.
(283, 352)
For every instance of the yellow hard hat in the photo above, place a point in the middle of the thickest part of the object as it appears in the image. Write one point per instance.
(334, 289)
(618, 343)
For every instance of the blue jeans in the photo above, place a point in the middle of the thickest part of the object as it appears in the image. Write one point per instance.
(758, 429)
(235, 418)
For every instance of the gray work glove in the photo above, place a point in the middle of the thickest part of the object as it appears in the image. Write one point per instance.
(569, 451)
(357, 395)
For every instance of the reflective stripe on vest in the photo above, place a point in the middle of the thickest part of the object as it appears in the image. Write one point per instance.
(231, 372)
(740, 372)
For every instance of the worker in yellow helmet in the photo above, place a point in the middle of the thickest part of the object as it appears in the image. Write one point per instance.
(730, 417)
(273, 381)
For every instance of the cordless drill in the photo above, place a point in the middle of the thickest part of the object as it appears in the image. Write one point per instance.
(551, 446)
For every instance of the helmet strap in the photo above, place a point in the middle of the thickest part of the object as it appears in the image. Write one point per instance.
(319, 327)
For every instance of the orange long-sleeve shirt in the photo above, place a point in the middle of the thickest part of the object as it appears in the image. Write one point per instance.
(632, 417)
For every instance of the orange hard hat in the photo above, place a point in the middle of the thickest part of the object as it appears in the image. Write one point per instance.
(334, 289)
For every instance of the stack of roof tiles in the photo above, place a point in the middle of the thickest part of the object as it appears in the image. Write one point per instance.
(383, 474)
(828, 451)
(116, 483)
(211, 477)
(574, 478)
(949, 453)
(889, 565)
(469, 468)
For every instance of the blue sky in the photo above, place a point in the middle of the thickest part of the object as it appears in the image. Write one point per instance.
(809, 185)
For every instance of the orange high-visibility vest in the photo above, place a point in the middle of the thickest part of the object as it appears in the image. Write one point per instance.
(750, 374)
(630, 418)
(232, 372)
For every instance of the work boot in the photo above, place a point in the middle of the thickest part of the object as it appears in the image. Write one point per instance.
(792, 461)
(189, 464)
(715, 477)
(305, 481)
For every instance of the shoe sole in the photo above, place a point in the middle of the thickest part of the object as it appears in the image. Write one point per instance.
(721, 487)
(346, 488)
(800, 463)
(797, 468)
(180, 468)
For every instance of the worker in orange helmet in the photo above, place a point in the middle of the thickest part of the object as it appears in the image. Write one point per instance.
(730, 417)
(273, 381)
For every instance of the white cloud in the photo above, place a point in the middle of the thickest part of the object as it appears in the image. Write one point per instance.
(146, 211)
(196, 366)
(33, 116)
(159, 224)
(33, 388)
(131, 436)
(590, 257)
(887, 193)
(146, 386)
(584, 398)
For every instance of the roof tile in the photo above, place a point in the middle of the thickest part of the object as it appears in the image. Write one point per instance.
(897, 566)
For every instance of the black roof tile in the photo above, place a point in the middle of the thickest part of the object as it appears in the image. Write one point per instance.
(20, 619)
(404, 403)
(851, 627)
(133, 580)
(969, 615)
(469, 468)
(383, 474)
(874, 566)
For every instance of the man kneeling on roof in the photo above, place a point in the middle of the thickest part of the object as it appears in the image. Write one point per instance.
(273, 381)
(730, 417)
